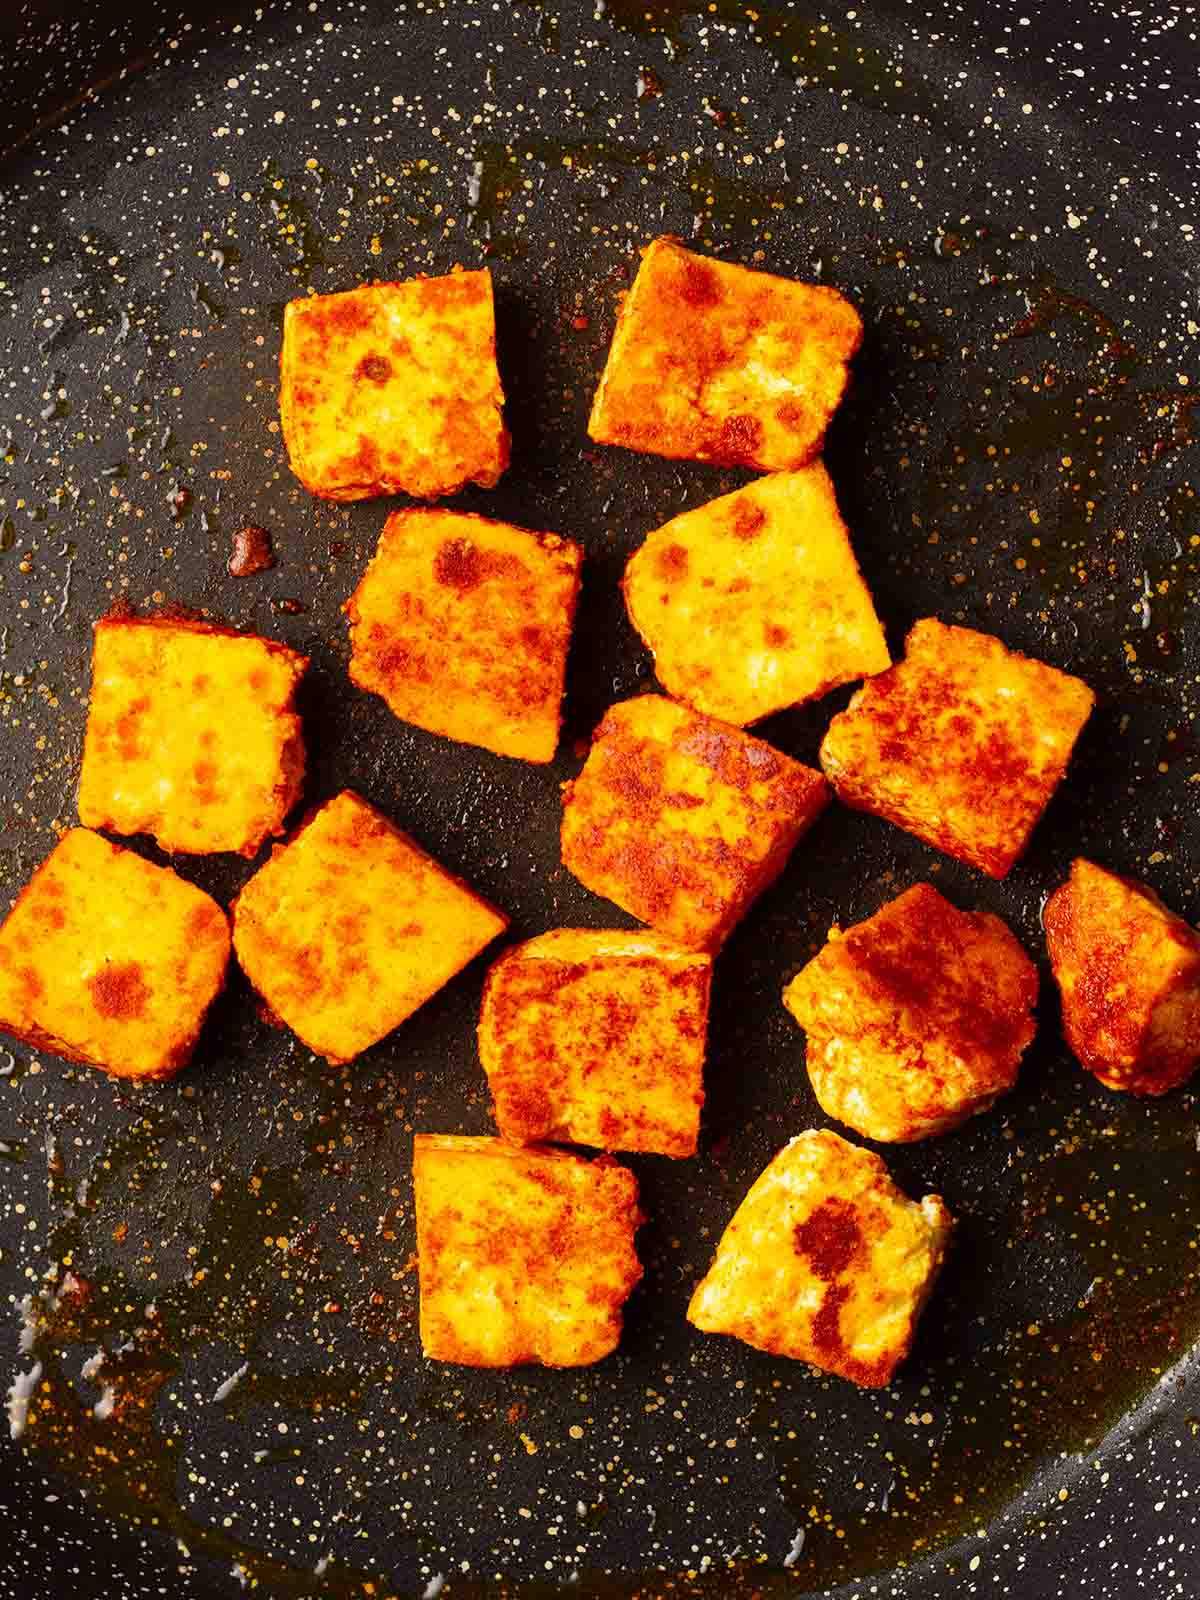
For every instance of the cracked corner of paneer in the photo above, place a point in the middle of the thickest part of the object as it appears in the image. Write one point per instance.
(110, 960)
(351, 926)
(524, 1255)
(961, 743)
(826, 1261)
(192, 734)
(1128, 970)
(394, 387)
(597, 1037)
(682, 820)
(916, 1019)
(711, 361)
(462, 626)
(754, 602)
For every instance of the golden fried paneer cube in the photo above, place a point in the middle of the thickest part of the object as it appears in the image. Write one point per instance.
(110, 960)
(916, 1018)
(524, 1254)
(394, 386)
(714, 362)
(682, 820)
(350, 926)
(962, 743)
(826, 1261)
(192, 734)
(754, 602)
(462, 626)
(1129, 973)
(596, 1036)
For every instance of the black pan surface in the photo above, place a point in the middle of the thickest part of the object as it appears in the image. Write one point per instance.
(1010, 198)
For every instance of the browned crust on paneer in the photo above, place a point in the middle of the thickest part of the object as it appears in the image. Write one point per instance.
(109, 960)
(524, 1254)
(351, 926)
(462, 626)
(682, 820)
(826, 1261)
(597, 1037)
(917, 1018)
(712, 361)
(754, 602)
(961, 743)
(1128, 970)
(394, 387)
(193, 735)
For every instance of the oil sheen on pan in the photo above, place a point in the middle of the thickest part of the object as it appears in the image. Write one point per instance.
(213, 1351)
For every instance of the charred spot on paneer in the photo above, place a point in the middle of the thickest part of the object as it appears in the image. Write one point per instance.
(524, 1255)
(462, 626)
(1128, 970)
(826, 1261)
(754, 602)
(192, 734)
(682, 820)
(916, 1018)
(597, 1037)
(394, 387)
(350, 926)
(714, 362)
(962, 743)
(110, 960)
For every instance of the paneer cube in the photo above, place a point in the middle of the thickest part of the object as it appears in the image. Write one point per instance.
(714, 362)
(192, 734)
(462, 626)
(682, 820)
(1129, 973)
(597, 1037)
(754, 602)
(350, 926)
(110, 960)
(394, 386)
(916, 1018)
(524, 1255)
(826, 1261)
(962, 743)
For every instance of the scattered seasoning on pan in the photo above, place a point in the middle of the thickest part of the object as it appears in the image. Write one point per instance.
(1112, 1214)
(106, 1423)
(288, 607)
(251, 551)
(1055, 424)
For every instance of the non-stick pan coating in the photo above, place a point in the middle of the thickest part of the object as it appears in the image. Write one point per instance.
(1010, 199)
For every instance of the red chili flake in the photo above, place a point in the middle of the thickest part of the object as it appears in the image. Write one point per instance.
(580, 324)
(251, 552)
(290, 608)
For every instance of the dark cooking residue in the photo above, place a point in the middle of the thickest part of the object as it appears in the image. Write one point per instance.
(253, 1261)
(251, 551)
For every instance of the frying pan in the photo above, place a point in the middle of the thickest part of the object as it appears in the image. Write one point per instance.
(1010, 199)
